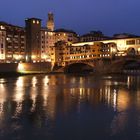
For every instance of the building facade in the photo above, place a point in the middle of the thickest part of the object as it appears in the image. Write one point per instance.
(68, 36)
(47, 41)
(122, 44)
(35, 43)
(33, 39)
(12, 43)
(32, 43)
(63, 53)
(2, 43)
(93, 36)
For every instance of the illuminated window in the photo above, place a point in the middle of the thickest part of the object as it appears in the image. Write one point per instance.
(9, 56)
(130, 42)
(7, 38)
(34, 21)
(138, 41)
(138, 49)
(2, 27)
(37, 22)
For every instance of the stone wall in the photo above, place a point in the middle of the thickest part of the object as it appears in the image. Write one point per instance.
(25, 67)
(8, 67)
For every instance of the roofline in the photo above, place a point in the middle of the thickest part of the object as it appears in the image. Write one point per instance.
(62, 30)
(91, 42)
(5, 23)
(33, 18)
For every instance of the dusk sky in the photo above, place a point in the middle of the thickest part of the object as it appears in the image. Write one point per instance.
(82, 16)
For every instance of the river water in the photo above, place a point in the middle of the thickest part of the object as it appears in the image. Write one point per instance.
(70, 107)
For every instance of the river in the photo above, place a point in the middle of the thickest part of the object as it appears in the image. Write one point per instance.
(70, 107)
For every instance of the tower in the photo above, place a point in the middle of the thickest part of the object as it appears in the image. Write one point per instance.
(33, 39)
(50, 22)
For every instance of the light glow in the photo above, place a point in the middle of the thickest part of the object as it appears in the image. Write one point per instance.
(20, 67)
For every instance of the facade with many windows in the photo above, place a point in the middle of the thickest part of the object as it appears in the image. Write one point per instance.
(12, 43)
(68, 36)
(122, 44)
(47, 41)
(2, 43)
(63, 53)
(32, 43)
(93, 36)
(40, 44)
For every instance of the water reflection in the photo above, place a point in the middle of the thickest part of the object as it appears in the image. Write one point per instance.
(2, 99)
(34, 81)
(37, 103)
(46, 80)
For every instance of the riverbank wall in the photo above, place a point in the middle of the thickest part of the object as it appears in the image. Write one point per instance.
(41, 67)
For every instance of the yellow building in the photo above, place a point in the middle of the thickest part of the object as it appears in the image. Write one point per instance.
(123, 44)
(47, 41)
(63, 53)
(59, 53)
(68, 36)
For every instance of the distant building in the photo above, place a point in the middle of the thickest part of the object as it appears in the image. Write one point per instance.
(124, 35)
(68, 36)
(50, 22)
(33, 39)
(93, 36)
(122, 44)
(12, 43)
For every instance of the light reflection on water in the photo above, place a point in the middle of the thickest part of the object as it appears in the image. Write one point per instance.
(44, 106)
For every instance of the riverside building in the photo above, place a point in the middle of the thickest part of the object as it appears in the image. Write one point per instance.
(93, 36)
(35, 43)
(12, 43)
(33, 39)
(32, 43)
(63, 53)
(48, 38)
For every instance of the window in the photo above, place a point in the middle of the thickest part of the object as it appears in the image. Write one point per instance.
(8, 39)
(1, 45)
(130, 42)
(138, 41)
(2, 27)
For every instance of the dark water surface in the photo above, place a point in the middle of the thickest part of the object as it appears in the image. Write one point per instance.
(68, 107)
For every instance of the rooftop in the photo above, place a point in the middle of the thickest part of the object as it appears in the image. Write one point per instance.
(64, 31)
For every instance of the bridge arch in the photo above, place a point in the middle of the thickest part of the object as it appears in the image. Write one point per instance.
(79, 67)
(131, 64)
(124, 65)
(132, 51)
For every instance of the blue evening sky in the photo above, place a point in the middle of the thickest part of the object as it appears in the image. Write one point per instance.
(109, 16)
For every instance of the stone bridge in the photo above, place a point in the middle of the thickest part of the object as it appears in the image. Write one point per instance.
(125, 63)
(116, 65)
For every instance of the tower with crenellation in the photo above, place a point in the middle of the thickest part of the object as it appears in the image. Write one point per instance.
(50, 22)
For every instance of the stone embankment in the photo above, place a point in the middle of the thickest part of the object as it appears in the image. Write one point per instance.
(24, 68)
